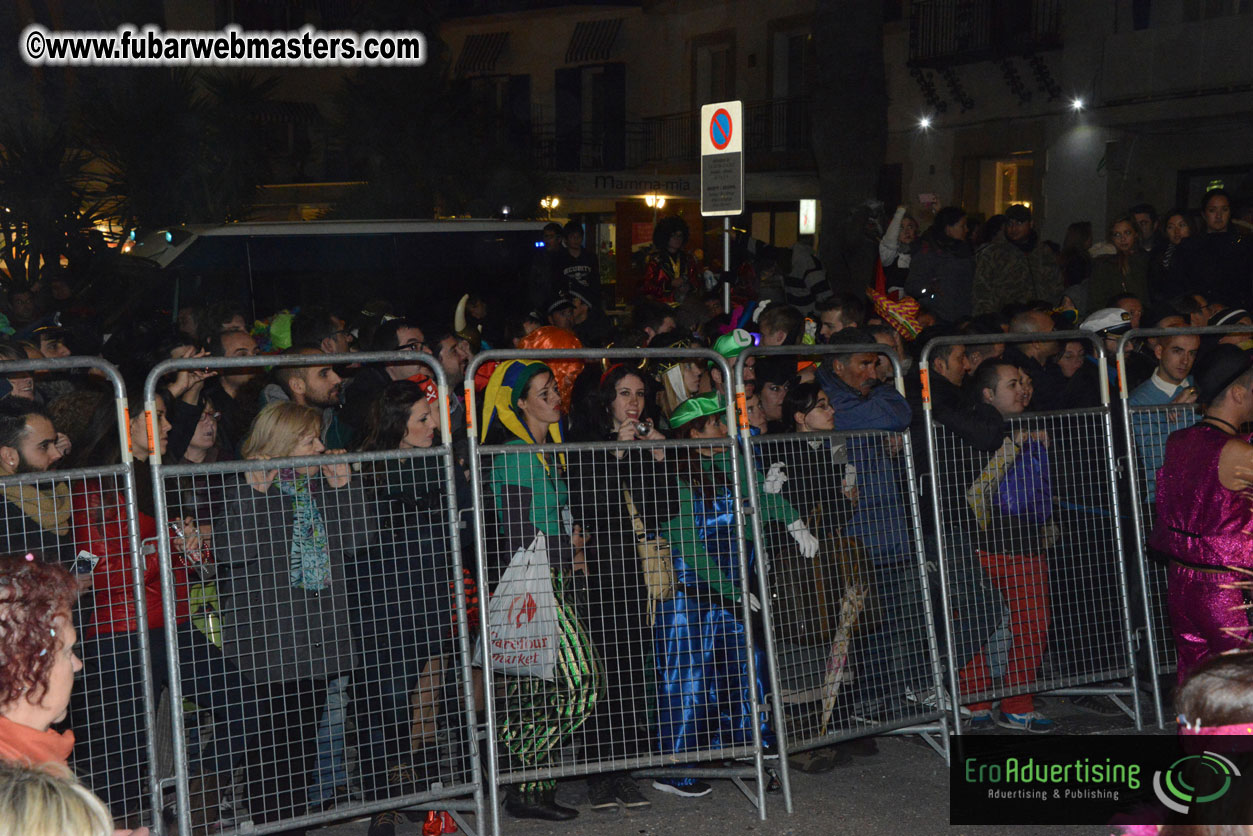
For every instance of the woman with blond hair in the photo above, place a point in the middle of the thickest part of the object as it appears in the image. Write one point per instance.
(35, 803)
(285, 618)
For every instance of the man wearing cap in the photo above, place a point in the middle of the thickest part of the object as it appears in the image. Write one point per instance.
(1204, 517)
(560, 311)
(1015, 266)
(591, 325)
(1084, 389)
(576, 267)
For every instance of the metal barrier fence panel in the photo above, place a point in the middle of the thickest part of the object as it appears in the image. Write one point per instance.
(619, 634)
(321, 627)
(84, 518)
(1151, 423)
(1027, 531)
(854, 644)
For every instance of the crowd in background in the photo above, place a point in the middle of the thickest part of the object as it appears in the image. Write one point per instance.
(300, 556)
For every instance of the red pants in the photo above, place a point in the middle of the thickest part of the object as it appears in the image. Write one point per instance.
(1024, 581)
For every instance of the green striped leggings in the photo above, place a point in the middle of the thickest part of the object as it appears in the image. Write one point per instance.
(536, 715)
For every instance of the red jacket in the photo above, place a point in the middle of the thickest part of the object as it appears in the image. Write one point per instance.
(100, 527)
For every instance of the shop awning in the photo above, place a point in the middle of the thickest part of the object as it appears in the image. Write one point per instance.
(592, 41)
(479, 53)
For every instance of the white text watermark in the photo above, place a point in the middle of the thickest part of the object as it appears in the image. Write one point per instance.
(131, 46)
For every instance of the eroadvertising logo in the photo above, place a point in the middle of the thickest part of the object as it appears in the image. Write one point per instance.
(1098, 779)
(1173, 788)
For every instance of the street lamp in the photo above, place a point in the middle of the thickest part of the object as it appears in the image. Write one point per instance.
(548, 203)
(656, 201)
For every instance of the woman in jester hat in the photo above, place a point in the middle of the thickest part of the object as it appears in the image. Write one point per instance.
(704, 694)
(522, 406)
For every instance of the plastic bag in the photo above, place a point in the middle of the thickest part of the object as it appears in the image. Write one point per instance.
(522, 615)
(1027, 489)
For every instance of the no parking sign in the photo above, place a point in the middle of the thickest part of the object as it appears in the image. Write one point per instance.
(721, 159)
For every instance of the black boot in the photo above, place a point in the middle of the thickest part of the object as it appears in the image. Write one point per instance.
(541, 804)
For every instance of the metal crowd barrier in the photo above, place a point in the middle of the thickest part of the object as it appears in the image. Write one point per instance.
(85, 519)
(640, 653)
(327, 606)
(853, 646)
(1145, 447)
(1033, 578)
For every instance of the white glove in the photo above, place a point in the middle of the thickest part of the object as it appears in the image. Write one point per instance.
(753, 603)
(807, 542)
(775, 477)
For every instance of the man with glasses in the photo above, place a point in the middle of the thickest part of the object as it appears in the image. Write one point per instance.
(392, 335)
(320, 328)
(1015, 266)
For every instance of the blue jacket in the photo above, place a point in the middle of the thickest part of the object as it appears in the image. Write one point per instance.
(880, 519)
(883, 409)
(1150, 427)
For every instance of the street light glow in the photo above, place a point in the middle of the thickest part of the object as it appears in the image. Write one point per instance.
(925, 123)
(1076, 104)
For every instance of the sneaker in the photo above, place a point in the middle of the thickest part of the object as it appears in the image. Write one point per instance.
(1032, 721)
(600, 793)
(628, 792)
(981, 720)
(384, 824)
(685, 787)
(929, 699)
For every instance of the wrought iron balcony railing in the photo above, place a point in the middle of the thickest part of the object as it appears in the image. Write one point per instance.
(948, 32)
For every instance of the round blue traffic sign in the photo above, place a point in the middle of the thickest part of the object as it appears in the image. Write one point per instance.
(720, 129)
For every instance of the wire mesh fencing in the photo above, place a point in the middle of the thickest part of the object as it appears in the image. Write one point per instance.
(320, 627)
(854, 649)
(1150, 426)
(1150, 412)
(75, 505)
(1026, 526)
(620, 634)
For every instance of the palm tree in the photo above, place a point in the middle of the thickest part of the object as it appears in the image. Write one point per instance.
(49, 197)
(177, 146)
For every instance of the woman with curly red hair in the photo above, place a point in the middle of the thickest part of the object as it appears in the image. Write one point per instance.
(37, 662)
(37, 665)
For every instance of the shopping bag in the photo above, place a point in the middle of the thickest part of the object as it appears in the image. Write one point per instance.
(1027, 489)
(522, 615)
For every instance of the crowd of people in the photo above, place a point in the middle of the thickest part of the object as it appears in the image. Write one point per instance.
(315, 601)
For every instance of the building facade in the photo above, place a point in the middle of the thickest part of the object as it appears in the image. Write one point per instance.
(1081, 109)
(608, 97)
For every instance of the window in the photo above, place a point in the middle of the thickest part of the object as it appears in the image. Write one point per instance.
(713, 68)
(1013, 183)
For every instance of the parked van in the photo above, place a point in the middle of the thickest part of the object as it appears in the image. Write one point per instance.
(421, 266)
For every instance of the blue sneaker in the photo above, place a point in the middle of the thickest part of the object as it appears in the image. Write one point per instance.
(1033, 722)
(982, 720)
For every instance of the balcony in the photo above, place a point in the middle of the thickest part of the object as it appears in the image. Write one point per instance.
(777, 136)
(945, 33)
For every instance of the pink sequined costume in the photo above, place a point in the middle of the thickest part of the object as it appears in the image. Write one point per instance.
(1204, 528)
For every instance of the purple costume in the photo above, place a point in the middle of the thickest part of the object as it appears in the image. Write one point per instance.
(1201, 524)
